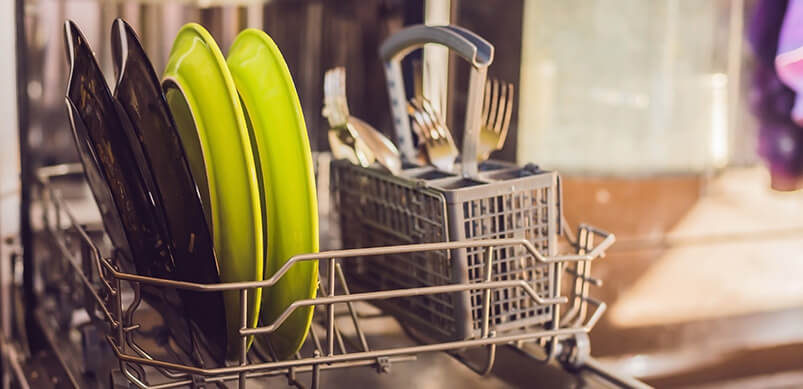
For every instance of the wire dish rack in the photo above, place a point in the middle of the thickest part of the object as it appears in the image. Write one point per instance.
(111, 297)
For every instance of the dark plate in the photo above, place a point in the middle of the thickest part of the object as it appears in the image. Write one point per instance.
(176, 195)
(89, 93)
(111, 153)
(97, 180)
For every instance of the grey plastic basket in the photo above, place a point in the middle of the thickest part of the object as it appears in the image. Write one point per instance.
(426, 205)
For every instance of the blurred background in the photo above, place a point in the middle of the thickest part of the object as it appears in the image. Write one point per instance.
(642, 106)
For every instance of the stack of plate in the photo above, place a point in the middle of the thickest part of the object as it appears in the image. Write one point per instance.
(205, 177)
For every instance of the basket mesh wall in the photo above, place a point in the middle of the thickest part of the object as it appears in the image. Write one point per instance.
(377, 209)
(520, 214)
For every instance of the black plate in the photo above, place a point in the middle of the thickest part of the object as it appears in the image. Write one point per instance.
(89, 93)
(175, 192)
(111, 152)
(97, 181)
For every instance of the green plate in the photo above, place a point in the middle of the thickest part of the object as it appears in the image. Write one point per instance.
(203, 100)
(269, 96)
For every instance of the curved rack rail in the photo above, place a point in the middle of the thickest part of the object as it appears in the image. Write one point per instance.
(102, 280)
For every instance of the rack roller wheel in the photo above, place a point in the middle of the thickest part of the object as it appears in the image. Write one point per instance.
(577, 351)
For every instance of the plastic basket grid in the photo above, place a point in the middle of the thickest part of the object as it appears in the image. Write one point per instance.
(377, 209)
(515, 215)
(378, 212)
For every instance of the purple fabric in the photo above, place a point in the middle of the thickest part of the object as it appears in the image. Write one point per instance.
(789, 59)
(791, 35)
(765, 27)
(780, 139)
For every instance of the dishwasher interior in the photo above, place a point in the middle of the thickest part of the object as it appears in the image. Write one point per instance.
(73, 314)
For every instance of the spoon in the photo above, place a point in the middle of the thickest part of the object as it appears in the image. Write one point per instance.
(383, 149)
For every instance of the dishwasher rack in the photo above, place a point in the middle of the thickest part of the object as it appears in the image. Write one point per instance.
(98, 284)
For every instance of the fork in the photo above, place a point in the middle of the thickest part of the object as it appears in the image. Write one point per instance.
(497, 109)
(433, 133)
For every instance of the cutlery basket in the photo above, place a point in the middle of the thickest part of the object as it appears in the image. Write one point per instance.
(421, 205)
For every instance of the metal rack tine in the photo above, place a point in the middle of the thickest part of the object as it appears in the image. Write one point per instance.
(339, 338)
(333, 331)
(352, 311)
(195, 343)
(330, 310)
(486, 309)
(316, 340)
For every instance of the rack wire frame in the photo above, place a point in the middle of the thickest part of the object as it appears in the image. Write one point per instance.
(102, 283)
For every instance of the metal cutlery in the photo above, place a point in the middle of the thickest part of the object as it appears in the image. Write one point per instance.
(435, 136)
(344, 140)
(346, 145)
(335, 103)
(469, 46)
(351, 138)
(497, 109)
(384, 150)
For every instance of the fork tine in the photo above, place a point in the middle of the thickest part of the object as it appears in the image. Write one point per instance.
(414, 108)
(434, 135)
(432, 124)
(508, 116)
(428, 119)
(426, 132)
(500, 108)
(493, 114)
(440, 127)
(486, 103)
(418, 130)
(411, 109)
(430, 108)
(434, 120)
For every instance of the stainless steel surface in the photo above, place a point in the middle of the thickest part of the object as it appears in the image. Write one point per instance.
(104, 277)
(429, 125)
(497, 109)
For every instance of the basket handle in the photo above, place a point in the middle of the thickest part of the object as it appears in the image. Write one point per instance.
(471, 47)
